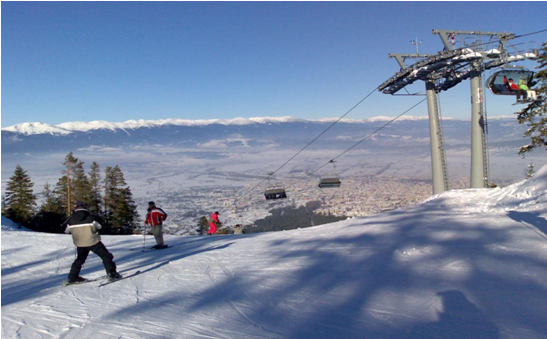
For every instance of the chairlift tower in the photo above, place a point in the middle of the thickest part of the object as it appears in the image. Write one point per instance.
(479, 160)
(438, 160)
(466, 55)
(479, 163)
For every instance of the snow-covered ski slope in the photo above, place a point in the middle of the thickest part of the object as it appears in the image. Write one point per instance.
(465, 264)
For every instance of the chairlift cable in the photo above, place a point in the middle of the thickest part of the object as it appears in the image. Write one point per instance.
(379, 129)
(362, 140)
(311, 142)
(533, 33)
(317, 137)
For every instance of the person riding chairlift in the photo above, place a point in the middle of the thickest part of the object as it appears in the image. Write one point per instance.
(530, 94)
(513, 87)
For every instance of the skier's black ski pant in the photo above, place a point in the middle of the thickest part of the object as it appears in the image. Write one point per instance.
(100, 250)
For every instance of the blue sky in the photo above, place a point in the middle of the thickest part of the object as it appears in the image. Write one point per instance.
(116, 61)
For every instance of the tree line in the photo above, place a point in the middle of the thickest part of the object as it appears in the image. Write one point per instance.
(107, 196)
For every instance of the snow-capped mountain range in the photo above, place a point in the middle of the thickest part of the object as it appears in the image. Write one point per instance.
(32, 128)
(289, 132)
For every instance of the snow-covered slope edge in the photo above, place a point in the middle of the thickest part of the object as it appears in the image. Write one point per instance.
(10, 226)
(466, 264)
(525, 196)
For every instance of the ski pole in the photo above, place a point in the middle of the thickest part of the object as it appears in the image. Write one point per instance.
(144, 237)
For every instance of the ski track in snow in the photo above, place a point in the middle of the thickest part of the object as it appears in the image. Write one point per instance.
(464, 264)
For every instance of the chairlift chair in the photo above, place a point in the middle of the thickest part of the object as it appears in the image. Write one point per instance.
(498, 87)
(332, 180)
(274, 192)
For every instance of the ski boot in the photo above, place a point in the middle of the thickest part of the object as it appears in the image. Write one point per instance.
(112, 276)
(77, 280)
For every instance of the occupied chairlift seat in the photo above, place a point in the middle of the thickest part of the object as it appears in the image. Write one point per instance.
(497, 86)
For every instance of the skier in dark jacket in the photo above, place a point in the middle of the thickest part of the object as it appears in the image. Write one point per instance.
(83, 226)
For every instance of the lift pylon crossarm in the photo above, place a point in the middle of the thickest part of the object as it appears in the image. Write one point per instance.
(446, 35)
(402, 57)
(449, 68)
(408, 75)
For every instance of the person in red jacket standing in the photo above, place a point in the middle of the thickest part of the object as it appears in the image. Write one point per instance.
(213, 223)
(155, 218)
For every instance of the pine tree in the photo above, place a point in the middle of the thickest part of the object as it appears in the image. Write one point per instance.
(19, 201)
(69, 163)
(51, 214)
(50, 202)
(3, 204)
(81, 187)
(95, 186)
(109, 187)
(74, 185)
(535, 114)
(60, 193)
(121, 215)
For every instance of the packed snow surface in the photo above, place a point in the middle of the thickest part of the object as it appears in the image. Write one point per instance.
(464, 264)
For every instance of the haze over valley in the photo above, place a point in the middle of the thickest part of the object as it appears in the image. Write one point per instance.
(192, 168)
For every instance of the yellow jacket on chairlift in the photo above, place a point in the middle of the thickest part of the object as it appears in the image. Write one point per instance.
(523, 86)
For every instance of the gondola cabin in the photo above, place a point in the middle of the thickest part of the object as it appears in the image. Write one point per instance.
(498, 86)
(275, 193)
(329, 182)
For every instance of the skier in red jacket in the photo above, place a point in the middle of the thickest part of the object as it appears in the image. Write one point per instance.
(155, 218)
(213, 223)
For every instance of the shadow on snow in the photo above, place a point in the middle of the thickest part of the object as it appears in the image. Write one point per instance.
(376, 287)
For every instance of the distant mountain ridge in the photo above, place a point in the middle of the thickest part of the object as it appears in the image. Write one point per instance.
(406, 134)
(31, 128)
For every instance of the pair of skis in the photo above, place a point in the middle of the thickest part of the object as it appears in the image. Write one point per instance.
(154, 248)
(66, 283)
(122, 278)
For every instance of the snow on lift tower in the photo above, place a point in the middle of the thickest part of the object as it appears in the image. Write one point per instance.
(332, 180)
(274, 192)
